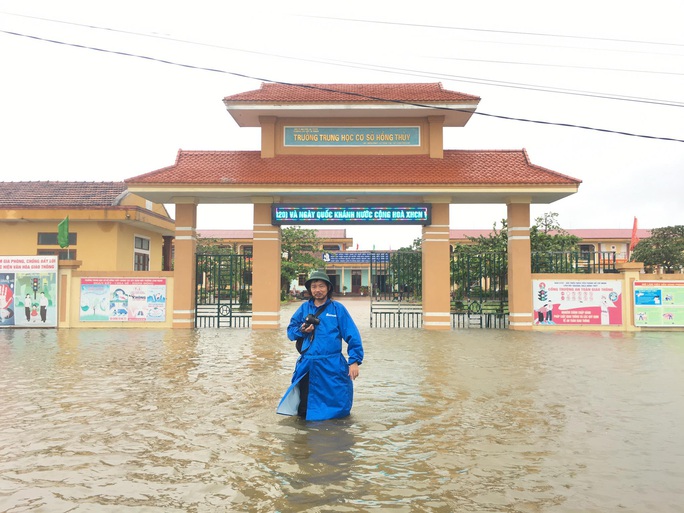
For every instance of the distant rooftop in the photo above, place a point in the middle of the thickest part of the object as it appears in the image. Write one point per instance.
(61, 194)
(582, 233)
(330, 233)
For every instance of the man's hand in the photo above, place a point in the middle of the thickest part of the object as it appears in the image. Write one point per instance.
(354, 370)
(306, 329)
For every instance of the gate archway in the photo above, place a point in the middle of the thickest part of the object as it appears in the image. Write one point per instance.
(336, 143)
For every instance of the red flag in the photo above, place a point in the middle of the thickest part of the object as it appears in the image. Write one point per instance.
(635, 239)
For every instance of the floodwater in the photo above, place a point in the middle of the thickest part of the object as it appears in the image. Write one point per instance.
(462, 421)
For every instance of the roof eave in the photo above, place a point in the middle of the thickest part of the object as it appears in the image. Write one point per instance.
(456, 194)
(248, 114)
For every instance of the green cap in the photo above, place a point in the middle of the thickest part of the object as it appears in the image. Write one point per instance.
(317, 275)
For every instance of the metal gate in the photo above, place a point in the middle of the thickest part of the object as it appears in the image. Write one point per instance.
(396, 282)
(479, 290)
(224, 291)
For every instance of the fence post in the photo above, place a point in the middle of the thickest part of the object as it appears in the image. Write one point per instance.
(630, 273)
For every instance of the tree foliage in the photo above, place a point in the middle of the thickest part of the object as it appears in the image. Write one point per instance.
(546, 235)
(406, 271)
(299, 248)
(663, 249)
(211, 246)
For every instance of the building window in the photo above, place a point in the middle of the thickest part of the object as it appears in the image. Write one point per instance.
(331, 247)
(302, 279)
(50, 239)
(62, 254)
(247, 250)
(141, 257)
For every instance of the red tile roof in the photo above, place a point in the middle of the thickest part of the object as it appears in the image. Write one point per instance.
(582, 233)
(60, 194)
(351, 93)
(608, 233)
(458, 167)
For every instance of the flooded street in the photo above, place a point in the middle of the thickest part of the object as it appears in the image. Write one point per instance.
(460, 421)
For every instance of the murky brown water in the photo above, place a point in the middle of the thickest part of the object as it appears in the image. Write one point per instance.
(468, 421)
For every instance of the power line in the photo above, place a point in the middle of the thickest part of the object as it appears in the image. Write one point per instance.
(402, 71)
(510, 85)
(513, 32)
(242, 75)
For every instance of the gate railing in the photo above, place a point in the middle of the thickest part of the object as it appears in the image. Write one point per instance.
(224, 291)
(576, 262)
(396, 289)
(479, 289)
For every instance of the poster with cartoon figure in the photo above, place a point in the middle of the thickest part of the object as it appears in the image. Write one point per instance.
(123, 299)
(28, 291)
(659, 303)
(577, 302)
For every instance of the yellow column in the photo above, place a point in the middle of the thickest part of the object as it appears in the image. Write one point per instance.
(630, 273)
(268, 136)
(436, 148)
(436, 277)
(184, 286)
(520, 303)
(265, 269)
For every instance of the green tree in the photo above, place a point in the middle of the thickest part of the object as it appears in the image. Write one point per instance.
(487, 256)
(663, 249)
(406, 271)
(546, 235)
(211, 246)
(299, 248)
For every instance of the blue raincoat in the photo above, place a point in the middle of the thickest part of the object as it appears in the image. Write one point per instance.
(331, 391)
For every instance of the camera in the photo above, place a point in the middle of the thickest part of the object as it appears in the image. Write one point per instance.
(311, 319)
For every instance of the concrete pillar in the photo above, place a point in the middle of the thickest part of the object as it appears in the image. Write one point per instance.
(265, 268)
(167, 253)
(436, 267)
(630, 272)
(67, 317)
(268, 136)
(184, 265)
(436, 149)
(520, 303)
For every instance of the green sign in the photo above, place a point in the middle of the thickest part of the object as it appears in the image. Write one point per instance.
(321, 136)
(351, 214)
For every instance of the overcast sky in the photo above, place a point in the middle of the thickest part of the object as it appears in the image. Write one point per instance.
(108, 90)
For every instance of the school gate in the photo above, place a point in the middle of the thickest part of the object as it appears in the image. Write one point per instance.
(479, 296)
(224, 291)
(325, 145)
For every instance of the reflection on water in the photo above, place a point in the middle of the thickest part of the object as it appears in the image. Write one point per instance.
(468, 421)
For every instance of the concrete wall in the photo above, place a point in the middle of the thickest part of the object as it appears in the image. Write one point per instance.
(630, 272)
(69, 287)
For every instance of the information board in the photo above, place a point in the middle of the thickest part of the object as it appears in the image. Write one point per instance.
(659, 303)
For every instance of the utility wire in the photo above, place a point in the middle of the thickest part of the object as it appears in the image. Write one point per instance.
(386, 69)
(513, 32)
(368, 97)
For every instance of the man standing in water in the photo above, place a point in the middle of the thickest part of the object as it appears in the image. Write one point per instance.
(322, 385)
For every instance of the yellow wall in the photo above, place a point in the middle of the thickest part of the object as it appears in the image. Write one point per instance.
(69, 282)
(628, 276)
(139, 201)
(100, 245)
